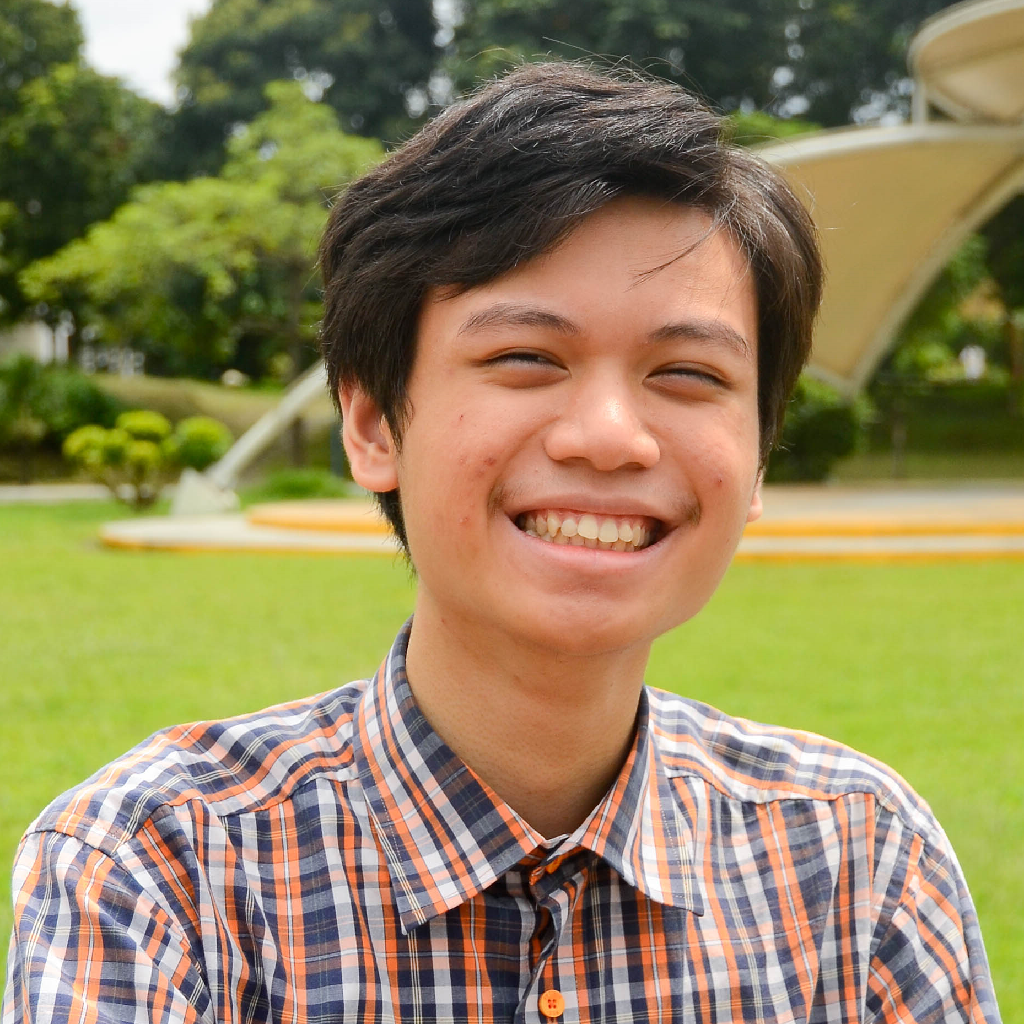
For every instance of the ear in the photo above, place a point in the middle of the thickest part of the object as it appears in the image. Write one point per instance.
(368, 442)
(756, 505)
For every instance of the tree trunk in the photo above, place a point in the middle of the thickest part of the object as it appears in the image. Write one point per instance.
(297, 442)
(25, 466)
(1014, 331)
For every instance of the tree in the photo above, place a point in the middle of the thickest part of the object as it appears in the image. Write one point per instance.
(190, 271)
(72, 142)
(34, 35)
(845, 60)
(1005, 237)
(70, 155)
(367, 59)
(826, 60)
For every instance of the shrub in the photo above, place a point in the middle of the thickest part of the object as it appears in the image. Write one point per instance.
(40, 406)
(135, 457)
(85, 444)
(289, 484)
(69, 400)
(144, 425)
(820, 428)
(199, 441)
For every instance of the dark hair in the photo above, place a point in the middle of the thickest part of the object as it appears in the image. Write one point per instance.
(506, 174)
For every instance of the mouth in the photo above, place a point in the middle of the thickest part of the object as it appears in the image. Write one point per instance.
(590, 529)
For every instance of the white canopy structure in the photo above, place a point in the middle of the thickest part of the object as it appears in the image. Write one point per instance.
(892, 204)
(969, 62)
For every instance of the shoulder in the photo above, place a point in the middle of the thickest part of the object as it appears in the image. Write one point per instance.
(231, 767)
(758, 763)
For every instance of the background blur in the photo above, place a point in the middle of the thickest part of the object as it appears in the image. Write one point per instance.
(165, 171)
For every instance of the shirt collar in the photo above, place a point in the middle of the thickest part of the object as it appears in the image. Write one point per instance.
(447, 836)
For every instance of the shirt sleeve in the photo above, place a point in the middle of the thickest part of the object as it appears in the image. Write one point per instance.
(928, 960)
(91, 945)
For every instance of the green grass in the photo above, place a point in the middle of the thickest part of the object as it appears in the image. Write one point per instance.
(916, 664)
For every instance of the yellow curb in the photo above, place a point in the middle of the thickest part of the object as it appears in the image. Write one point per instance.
(328, 517)
(878, 556)
(886, 528)
(183, 548)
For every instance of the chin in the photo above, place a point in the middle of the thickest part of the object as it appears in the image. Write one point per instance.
(589, 633)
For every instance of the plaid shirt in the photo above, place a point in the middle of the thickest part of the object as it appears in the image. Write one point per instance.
(333, 860)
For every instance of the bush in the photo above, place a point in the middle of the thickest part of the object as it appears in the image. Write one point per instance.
(69, 400)
(820, 428)
(85, 444)
(293, 484)
(135, 457)
(42, 405)
(144, 425)
(199, 441)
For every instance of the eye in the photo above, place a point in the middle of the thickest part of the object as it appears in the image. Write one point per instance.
(522, 368)
(521, 357)
(687, 376)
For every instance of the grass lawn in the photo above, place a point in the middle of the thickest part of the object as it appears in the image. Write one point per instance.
(917, 664)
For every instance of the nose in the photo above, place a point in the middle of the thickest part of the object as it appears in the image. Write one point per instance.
(601, 424)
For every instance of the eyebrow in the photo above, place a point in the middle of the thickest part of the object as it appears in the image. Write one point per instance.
(509, 314)
(699, 329)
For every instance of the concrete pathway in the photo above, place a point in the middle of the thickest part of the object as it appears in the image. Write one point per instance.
(50, 494)
(800, 523)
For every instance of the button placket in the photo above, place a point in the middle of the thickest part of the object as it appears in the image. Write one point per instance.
(547, 993)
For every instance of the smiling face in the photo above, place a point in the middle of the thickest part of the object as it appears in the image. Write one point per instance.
(581, 451)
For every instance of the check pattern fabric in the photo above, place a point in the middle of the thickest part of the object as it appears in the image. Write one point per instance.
(333, 860)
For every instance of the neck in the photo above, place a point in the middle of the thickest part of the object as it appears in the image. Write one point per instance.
(548, 732)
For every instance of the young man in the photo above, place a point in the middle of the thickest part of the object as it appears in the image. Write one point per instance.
(562, 323)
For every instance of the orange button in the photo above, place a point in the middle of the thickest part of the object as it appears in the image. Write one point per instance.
(552, 1003)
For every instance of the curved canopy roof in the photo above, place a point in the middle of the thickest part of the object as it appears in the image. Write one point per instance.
(970, 61)
(892, 204)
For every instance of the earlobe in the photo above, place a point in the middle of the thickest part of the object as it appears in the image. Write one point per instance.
(756, 505)
(368, 442)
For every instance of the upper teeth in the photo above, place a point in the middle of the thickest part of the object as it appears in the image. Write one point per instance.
(611, 533)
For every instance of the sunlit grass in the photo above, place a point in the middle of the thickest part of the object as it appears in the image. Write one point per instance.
(916, 664)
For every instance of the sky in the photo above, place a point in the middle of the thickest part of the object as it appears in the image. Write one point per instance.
(137, 40)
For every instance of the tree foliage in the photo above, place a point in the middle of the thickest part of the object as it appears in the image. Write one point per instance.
(34, 35)
(1004, 235)
(825, 60)
(72, 142)
(364, 58)
(189, 271)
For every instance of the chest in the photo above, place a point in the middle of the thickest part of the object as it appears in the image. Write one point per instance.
(579, 941)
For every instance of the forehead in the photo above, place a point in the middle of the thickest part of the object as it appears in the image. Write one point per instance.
(635, 264)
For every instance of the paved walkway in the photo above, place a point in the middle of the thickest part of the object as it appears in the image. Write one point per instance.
(50, 494)
(800, 523)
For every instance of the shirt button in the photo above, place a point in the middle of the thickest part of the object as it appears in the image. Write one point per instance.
(552, 1003)
(536, 875)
